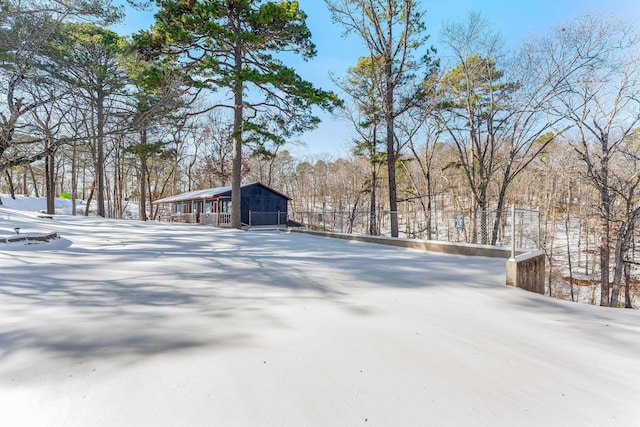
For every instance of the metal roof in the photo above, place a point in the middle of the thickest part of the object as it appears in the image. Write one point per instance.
(210, 193)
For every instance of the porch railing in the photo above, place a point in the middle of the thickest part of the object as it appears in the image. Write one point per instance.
(220, 219)
(187, 218)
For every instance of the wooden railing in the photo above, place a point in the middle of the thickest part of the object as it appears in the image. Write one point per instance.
(187, 218)
(222, 219)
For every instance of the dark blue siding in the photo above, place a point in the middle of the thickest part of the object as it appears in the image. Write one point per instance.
(264, 205)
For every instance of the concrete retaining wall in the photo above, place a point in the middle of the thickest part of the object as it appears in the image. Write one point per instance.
(425, 245)
(527, 272)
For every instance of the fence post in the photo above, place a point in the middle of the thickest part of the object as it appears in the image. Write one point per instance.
(249, 218)
(278, 218)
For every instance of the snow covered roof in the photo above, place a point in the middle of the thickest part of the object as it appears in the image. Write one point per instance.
(210, 193)
(194, 195)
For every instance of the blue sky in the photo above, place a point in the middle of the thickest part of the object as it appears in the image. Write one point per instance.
(515, 20)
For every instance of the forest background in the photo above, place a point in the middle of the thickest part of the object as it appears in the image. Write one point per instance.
(432, 130)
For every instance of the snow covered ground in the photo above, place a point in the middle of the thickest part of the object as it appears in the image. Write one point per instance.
(39, 204)
(122, 323)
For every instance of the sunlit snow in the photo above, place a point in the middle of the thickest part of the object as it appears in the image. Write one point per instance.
(123, 323)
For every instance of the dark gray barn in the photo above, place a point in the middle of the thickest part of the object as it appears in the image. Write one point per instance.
(260, 205)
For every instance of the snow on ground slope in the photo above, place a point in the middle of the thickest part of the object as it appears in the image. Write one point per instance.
(39, 204)
(62, 206)
(121, 323)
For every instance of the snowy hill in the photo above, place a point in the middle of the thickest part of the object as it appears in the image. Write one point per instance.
(39, 204)
(135, 324)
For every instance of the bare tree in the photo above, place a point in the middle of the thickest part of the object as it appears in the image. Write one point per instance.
(496, 116)
(25, 30)
(627, 190)
(601, 98)
(392, 31)
(215, 164)
(423, 134)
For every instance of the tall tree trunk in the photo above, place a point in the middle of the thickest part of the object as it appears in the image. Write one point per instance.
(484, 233)
(100, 196)
(627, 288)
(617, 273)
(569, 260)
(373, 230)
(50, 183)
(12, 190)
(24, 181)
(236, 177)
(605, 252)
(109, 194)
(142, 207)
(74, 179)
(500, 205)
(34, 181)
(429, 202)
(391, 149)
(236, 173)
(625, 234)
(90, 198)
(150, 193)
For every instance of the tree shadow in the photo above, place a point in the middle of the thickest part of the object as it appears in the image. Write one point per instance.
(145, 289)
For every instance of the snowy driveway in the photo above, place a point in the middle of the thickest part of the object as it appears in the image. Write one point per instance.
(128, 324)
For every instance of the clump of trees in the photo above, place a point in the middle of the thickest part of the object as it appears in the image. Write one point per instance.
(230, 45)
(394, 34)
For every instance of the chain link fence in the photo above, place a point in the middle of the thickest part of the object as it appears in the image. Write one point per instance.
(278, 219)
(483, 227)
